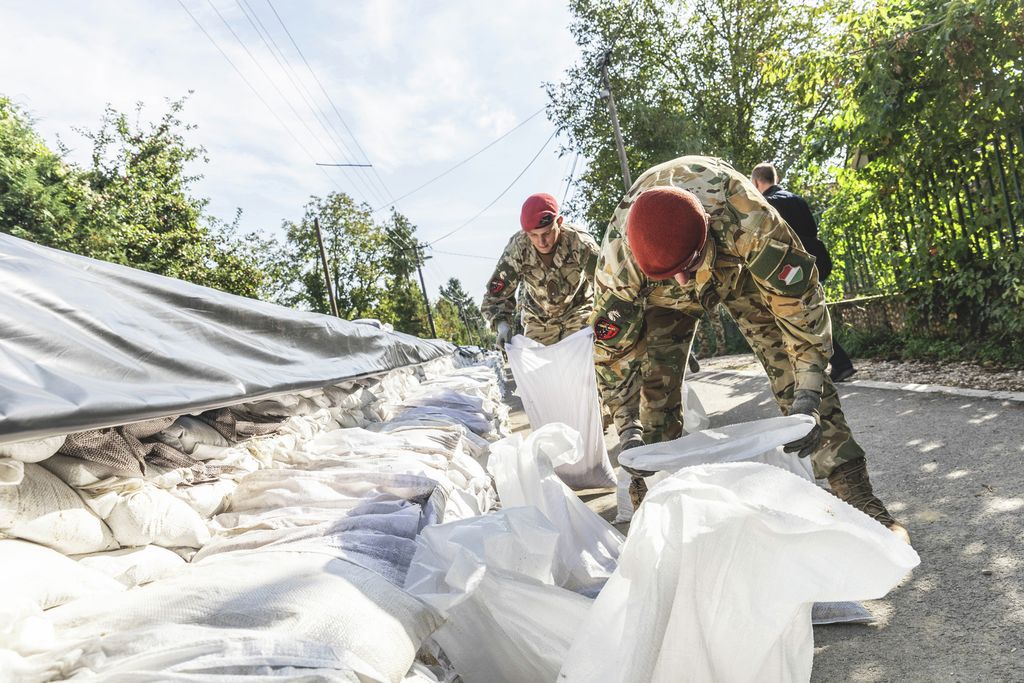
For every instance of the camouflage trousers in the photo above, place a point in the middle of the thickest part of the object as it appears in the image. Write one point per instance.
(713, 343)
(662, 353)
(552, 330)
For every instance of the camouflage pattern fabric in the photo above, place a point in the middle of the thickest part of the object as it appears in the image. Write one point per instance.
(755, 266)
(557, 299)
(713, 343)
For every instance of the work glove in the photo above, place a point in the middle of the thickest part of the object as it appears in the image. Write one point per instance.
(806, 402)
(504, 335)
(632, 437)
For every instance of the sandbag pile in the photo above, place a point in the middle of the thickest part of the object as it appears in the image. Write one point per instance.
(727, 554)
(271, 538)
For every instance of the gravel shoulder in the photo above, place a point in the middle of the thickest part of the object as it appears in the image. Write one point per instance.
(950, 374)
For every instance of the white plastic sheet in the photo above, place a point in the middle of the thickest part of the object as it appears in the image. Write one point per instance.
(718, 574)
(523, 469)
(756, 441)
(557, 384)
(492, 577)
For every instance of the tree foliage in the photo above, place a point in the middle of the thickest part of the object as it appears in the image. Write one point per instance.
(688, 78)
(371, 265)
(458, 318)
(134, 204)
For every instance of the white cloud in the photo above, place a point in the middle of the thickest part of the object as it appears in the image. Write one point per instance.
(422, 85)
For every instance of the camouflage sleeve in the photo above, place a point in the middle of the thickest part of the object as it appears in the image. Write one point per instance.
(592, 251)
(787, 279)
(618, 322)
(499, 302)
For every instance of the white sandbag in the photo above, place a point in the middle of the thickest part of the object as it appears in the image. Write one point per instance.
(840, 613)
(755, 441)
(32, 451)
(745, 441)
(246, 613)
(207, 499)
(47, 511)
(726, 559)
(190, 434)
(134, 566)
(557, 384)
(151, 515)
(24, 630)
(623, 503)
(492, 577)
(523, 469)
(77, 472)
(11, 472)
(695, 418)
(46, 578)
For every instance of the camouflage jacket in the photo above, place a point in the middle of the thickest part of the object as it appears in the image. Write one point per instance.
(563, 290)
(753, 253)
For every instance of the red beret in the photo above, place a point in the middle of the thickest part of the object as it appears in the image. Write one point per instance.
(666, 228)
(536, 209)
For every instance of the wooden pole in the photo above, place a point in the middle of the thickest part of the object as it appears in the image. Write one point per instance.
(327, 271)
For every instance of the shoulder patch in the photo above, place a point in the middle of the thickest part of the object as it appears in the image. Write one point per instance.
(605, 329)
(783, 268)
(496, 286)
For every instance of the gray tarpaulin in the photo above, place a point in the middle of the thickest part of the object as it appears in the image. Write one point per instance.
(86, 344)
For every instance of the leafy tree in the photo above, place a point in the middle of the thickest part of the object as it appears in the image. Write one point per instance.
(372, 266)
(355, 250)
(688, 78)
(42, 198)
(404, 306)
(468, 323)
(133, 205)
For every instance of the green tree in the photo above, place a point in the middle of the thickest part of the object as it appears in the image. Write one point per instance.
(356, 251)
(468, 323)
(404, 307)
(372, 265)
(133, 205)
(42, 198)
(688, 78)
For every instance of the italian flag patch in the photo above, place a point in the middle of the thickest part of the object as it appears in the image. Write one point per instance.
(791, 274)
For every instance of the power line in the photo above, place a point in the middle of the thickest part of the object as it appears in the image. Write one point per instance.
(470, 157)
(247, 82)
(329, 99)
(269, 108)
(273, 84)
(318, 113)
(501, 194)
(453, 253)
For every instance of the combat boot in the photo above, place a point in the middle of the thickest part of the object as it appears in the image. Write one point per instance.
(850, 482)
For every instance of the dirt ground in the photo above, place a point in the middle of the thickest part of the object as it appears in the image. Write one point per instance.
(952, 469)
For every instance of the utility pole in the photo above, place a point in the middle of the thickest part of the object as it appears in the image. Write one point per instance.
(327, 271)
(423, 288)
(609, 97)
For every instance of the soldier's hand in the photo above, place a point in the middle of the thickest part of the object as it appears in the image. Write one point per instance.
(632, 437)
(806, 402)
(504, 335)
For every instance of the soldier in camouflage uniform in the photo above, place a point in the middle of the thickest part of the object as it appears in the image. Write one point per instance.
(702, 236)
(554, 262)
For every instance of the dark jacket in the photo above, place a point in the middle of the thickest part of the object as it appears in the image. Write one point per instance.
(794, 210)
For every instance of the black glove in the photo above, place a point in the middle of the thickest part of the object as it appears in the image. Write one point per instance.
(806, 402)
(632, 437)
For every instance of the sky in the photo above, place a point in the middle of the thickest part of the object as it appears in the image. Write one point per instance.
(411, 87)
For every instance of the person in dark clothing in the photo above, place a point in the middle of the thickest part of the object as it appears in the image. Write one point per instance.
(794, 210)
